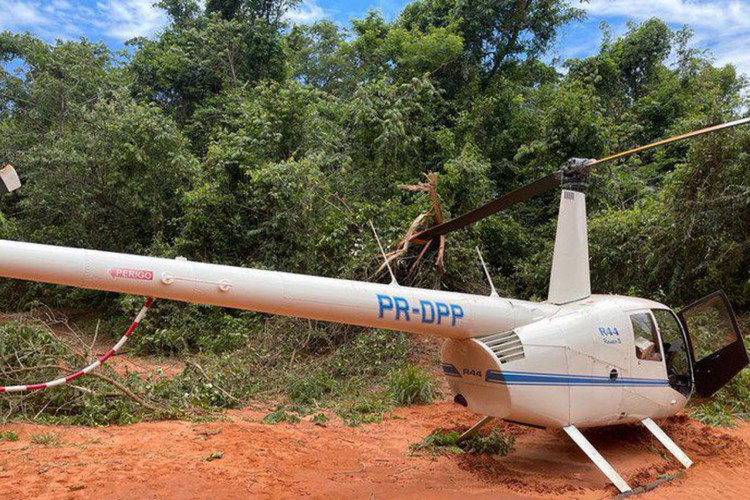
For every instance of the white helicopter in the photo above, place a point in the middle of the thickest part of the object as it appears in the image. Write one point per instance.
(577, 360)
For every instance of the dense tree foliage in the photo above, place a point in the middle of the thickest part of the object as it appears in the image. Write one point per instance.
(235, 138)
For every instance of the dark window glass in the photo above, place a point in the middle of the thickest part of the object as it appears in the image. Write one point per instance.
(674, 349)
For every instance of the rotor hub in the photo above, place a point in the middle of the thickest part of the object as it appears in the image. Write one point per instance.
(575, 174)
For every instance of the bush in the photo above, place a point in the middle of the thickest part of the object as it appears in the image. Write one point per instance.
(311, 390)
(320, 419)
(730, 403)
(439, 441)
(411, 385)
(313, 364)
(173, 328)
(286, 414)
(281, 416)
(494, 444)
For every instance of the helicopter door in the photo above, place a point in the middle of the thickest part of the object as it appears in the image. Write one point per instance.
(718, 351)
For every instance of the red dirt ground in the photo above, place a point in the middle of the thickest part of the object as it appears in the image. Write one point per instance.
(168, 460)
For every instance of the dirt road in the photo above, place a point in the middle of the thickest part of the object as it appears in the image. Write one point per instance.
(171, 460)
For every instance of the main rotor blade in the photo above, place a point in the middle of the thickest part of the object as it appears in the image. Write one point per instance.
(549, 183)
(669, 140)
(539, 186)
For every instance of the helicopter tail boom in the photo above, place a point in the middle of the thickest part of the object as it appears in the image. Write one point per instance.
(444, 314)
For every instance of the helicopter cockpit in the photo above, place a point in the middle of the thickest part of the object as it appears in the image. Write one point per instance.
(659, 339)
(701, 346)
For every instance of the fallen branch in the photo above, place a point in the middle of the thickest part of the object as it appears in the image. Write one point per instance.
(435, 213)
(64, 369)
(128, 393)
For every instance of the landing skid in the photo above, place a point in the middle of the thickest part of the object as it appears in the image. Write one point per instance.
(596, 457)
(607, 469)
(667, 442)
(472, 431)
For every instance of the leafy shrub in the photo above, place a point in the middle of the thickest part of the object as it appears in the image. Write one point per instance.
(336, 376)
(320, 419)
(411, 385)
(33, 353)
(313, 389)
(367, 353)
(173, 328)
(496, 443)
(285, 414)
(442, 441)
(439, 441)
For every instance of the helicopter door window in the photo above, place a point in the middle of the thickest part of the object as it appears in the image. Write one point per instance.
(675, 350)
(718, 349)
(711, 325)
(646, 339)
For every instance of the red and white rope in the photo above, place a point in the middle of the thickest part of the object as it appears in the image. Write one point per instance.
(93, 366)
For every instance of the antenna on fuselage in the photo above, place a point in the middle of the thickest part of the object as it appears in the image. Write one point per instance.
(385, 258)
(493, 292)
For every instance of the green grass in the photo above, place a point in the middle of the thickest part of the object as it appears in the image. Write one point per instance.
(366, 409)
(320, 419)
(47, 439)
(411, 385)
(8, 436)
(313, 389)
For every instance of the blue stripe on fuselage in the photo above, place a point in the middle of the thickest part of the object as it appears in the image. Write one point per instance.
(554, 379)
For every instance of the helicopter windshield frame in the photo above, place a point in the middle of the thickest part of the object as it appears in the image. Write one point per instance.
(675, 344)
